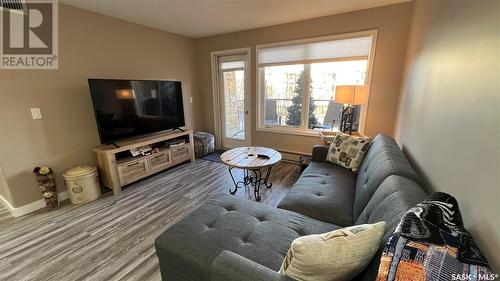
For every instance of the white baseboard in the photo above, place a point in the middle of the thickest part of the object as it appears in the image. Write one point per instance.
(31, 207)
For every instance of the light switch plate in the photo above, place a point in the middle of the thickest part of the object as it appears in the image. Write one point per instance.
(190, 99)
(36, 113)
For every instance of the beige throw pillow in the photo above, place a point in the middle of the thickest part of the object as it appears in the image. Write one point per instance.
(348, 151)
(337, 255)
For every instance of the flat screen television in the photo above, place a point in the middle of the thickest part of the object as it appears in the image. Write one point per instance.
(129, 108)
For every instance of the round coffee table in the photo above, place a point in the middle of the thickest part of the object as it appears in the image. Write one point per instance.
(251, 159)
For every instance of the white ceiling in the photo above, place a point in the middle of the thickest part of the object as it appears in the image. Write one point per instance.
(200, 18)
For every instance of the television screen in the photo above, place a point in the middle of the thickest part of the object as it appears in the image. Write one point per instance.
(128, 108)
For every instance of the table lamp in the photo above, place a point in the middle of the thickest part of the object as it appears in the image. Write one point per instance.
(350, 95)
(125, 94)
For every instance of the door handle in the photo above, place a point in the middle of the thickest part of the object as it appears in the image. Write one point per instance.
(246, 112)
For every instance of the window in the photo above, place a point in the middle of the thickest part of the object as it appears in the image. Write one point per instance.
(281, 90)
(233, 89)
(297, 81)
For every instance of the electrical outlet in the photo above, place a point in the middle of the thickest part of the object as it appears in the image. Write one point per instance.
(36, 113)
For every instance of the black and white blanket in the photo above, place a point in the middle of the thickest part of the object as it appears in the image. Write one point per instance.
(437, 220)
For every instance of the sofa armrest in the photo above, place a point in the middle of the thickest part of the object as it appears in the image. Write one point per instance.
(319, 153)
(231, 266)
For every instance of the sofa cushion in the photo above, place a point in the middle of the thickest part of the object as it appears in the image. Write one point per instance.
(390, 202)
(231, 266)
(255, 231)
(384, 158)
(324, 191)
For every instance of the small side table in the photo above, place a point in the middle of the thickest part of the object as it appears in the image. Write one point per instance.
(247, 159)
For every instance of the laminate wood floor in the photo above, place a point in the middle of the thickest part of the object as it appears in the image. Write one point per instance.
(112, 238)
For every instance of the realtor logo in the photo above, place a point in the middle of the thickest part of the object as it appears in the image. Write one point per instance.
(28, 34)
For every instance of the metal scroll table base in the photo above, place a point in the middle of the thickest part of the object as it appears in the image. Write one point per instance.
(254, 180)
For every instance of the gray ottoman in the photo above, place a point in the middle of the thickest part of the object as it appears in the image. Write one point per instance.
(204, 143)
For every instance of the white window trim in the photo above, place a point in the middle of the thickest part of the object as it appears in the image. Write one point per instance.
(303, 130)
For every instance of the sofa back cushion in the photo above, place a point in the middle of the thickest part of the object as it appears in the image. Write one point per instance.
(384, 158)
(390, 202)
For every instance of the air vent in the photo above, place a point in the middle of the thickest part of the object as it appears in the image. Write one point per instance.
(17, 6)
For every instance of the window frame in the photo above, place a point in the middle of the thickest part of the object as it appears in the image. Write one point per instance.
(303, 129)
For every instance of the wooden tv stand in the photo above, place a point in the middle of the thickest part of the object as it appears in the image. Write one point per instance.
(118, 167)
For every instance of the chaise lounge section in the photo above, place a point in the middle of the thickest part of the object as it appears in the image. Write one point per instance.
(227, 238)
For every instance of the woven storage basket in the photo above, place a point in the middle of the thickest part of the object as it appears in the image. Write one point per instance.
(204, 143)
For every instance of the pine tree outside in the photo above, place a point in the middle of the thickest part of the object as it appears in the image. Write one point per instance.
(295, 109)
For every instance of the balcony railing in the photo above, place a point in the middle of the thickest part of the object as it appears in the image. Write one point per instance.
(235, 120)
(327, 113)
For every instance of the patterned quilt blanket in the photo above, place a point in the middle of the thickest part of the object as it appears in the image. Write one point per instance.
(431, 243)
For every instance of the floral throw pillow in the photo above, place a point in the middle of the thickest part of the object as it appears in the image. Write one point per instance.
(348, 151)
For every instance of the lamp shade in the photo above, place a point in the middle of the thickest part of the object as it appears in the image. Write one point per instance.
(351, 94)
(125, 94)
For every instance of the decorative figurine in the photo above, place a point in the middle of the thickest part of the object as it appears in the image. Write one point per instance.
(47, 185)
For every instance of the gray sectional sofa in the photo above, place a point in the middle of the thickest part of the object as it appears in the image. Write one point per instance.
(227, 238)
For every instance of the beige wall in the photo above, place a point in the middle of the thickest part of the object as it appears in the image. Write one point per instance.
(450, 111)
(90, 46)
(392, 23)
(4, 189)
